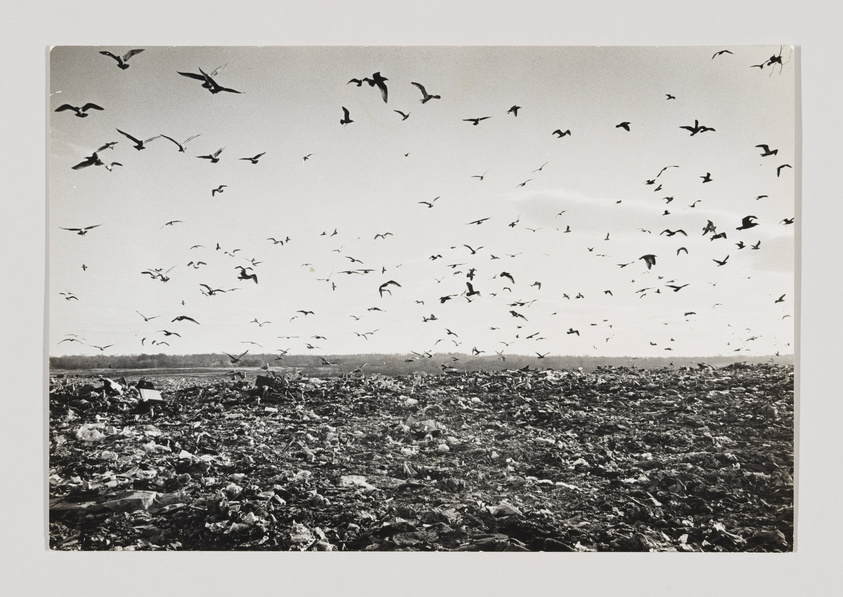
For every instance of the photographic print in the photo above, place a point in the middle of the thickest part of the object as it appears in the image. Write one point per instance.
(422, 298)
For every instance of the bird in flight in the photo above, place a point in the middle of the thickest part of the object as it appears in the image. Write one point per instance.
(234, 360)
(139, 145)
(787, 221)
(480, 176)
(82, 231)
(379, 81)
(697, 128)
(254, 159)
(210, 84)
(720, 53)
(780, 168)
(91, 160)
(383, 287)
(470, 290)
(244, 276)
(80, 112)
(101, 348)
(675, 287)
(213, 157)
(69, 296)
(560, 133)
(672, 232)
(403, 115)
(623, 125)
(719, 262)
(219, 189)
(426, 97)
(767, 151)
(649, 259)
(670, 97)
(513, 110)
(747, 222)
(122, 60)
(145, 318)
(184, 318)
(181, 145)
(507, 275)
(171, 222)
(780, 299)
(706, 177)
(478, 222)
(475, 121)
(346, 118)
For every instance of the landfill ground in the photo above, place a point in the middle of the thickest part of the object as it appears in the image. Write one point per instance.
(619, 459)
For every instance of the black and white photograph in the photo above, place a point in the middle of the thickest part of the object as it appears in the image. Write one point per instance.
(417, 298)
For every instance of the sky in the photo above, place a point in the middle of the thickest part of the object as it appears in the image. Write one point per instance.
(564, 217)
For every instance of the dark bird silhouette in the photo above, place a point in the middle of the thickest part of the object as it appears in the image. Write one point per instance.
(80, 112)
(513, 110)
(756, 246)
(81, 231)
(219, 189)
(168, 333)
(254, 159)
(787, 221)
(171, 222)
(747, 222)
(426, 97)
(718, 235)
(573, 331)
(234, 360)
(517, 315)
(244, 276)
(662, 171)
(471, 292)
(780, 299)
(145, 318)
(767, 151)
(478, 222)
(475, 121)
(480, 176)
(473, 251)
(382, 235)
(649, 259)
(697, 128)
(670, 97)
(210, 291)
(707, 177)
(110, 166)
(560, 133)
(212, 85)
(740, 244)
(623, 125)
(69, 296)
(346, 118)
(184, 318)
(91, 160)
(139, 145)
(673, 232)
(181, 145)
(358, 82)
(122, 61)
(305, 312)
(379, 81)
(779, 169)
(675, 287)
(383, 287)
(507, 275)
(214, 157)
(680, 249)
(719, 262)
(101, 348)
(720, 53)
(403, 115)
(446, 298)
(523, 183)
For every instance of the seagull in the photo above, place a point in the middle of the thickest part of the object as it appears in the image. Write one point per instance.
(767, 150)
(426, 97)
(756, 246)
(559, 133)
(623, 125)
(214, 157)
(721, 52)
(168, 333)
(91, 160)
(480, 176)
(787, 221)
(145, 318)
(382, 235)
(100, 348)
(244, 276)
(219, 189)
(707, 177)
(184, 318)
(234, 360)
(254, 159)
(69, 296)
(81, 231)
(780, 299)
(110, 166)
(673, 232)
(670, 97)
(675, 287)
(747, 222)
(379, 81)
(171, 222)
(475, 121)
(478, 222)
(80, 112)
(573, 331)
(403, 115)
(513, 110)
(723, 262)
(346, 119)
(122, 60)
(473, 251)
(181, 145)
(507, 275)
(138, 143)
(649, 259)
(212, 85)
(779, 169)
(383, 287)
(471, 291)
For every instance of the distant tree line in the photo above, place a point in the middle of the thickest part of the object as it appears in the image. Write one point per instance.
(389, 364)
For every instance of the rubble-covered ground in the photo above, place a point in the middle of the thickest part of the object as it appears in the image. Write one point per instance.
(621, 459)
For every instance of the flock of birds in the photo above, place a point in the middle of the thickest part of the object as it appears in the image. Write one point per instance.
(496, 282)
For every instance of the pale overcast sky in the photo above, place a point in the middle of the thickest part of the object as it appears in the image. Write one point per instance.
(368, 178)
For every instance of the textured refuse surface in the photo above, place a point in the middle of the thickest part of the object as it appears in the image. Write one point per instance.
(622, 459)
